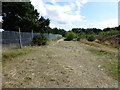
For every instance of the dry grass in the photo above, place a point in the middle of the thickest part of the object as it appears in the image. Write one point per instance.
(90, 43)
(109, 40)
(11, 53)
(109, 63)
(66, 64)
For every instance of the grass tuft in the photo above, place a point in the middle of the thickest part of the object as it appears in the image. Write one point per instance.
(12, 53)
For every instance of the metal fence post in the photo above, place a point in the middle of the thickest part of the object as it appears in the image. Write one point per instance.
(20, 42)
(32, 34)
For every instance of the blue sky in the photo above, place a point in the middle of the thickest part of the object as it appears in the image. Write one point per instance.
(98, 11)
(68, 14)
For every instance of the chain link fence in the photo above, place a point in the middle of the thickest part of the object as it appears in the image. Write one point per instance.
(13, 38)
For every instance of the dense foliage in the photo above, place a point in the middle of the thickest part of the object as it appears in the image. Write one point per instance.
(70, 36)
(23, 15)
(107, 36)
(90, 33)
(58, 31)
(16, 14)
(112, 33)
(39, 40)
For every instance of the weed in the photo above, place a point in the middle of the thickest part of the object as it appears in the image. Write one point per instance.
(28, 78)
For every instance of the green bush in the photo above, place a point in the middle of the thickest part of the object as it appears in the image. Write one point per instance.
(81, 36)
(70, 36)
(112, 33)
(90, 37)
(39, 40)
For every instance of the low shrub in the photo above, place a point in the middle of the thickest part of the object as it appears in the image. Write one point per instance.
(70, 36)
(78, 39)
(90, 37)
(39, 40)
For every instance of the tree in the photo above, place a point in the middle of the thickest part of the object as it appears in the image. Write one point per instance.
(19, 14)
(43, 25)
(106, 29)
(23, 15)
(95, 30)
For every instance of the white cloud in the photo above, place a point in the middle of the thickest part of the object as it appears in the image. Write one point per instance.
(61, 14)
(85, 0)
(103, 0)
(108, 23)
(1, 30)
(66, 26)
(0, 18)
(64, 16)
(40, 6)
(53, 1)
(58, 13)
(102, 24)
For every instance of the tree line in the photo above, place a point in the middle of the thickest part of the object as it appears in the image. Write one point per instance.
(25, 16)
(92, 32)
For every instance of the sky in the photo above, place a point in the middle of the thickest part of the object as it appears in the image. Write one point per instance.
(0, 18)
(68, 14)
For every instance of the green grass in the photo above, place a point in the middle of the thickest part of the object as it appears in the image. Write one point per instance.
(109, 62)
(112, 69)
(9, 54)
(102, 52)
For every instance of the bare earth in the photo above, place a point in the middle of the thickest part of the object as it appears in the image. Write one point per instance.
(61, 64)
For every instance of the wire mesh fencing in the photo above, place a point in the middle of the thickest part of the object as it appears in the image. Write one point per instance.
(13, 37)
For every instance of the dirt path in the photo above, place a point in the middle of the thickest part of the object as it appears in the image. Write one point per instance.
(61, 64)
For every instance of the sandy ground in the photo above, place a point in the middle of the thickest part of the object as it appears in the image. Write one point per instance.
(61, 64)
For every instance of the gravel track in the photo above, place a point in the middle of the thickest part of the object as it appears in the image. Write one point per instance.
(62, 64)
